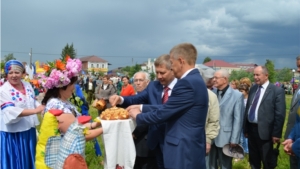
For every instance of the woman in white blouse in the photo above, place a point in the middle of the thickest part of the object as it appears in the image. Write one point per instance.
(18, 119)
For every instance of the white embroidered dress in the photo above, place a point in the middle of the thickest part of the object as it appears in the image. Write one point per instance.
(13, 102)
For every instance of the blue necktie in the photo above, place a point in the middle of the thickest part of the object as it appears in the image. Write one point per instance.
(251, 115)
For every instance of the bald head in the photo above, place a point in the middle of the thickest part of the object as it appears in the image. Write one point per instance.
(261, 75)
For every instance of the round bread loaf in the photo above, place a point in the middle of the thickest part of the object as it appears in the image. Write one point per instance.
(114, 113)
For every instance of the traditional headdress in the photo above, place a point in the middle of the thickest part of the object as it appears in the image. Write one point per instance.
(13, 65)
(58, 73)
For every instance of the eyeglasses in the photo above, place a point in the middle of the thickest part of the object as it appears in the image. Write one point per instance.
(139, 80)
(218, 77)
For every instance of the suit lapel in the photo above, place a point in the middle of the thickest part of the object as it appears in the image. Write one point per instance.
(252, 94)
(268, 90)
(295, 102)
(159, 92)
(295, 97)
(226, 95)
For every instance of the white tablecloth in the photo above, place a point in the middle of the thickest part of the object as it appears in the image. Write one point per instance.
(118, 143)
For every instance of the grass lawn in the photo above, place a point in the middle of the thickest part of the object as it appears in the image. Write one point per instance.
(97, 162)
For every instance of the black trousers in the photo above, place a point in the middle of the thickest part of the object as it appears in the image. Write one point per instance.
(294, 162)
(145, 158)
(260, 151)
(159, 157)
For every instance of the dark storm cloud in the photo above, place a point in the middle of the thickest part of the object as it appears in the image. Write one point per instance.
(119, 31)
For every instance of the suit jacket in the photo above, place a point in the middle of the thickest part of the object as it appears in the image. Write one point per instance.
(212, 120)
(105, 94)
(151, 95)
(292, 114)
(184, 114)
(109, 91)
(271, 112)
(140, 132)
(295, 134)
(231, 118)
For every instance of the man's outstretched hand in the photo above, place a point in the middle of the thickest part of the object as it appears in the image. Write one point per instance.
(114, 100)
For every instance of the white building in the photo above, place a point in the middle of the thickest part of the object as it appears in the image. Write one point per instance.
(148, 66)
(94, 63)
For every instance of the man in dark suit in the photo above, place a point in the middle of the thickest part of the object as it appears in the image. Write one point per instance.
(150, 98)
(145, 158)
(264, 118)
(292, 117)
(184, 113)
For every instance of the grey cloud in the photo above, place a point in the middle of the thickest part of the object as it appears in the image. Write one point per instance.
(119, 30)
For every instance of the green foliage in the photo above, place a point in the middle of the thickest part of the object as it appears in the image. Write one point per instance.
(100, 73)
(270, 66)
(77, 102)
(207, 59)
(152, 76)
(240, 74)
(91, 159)
(126, 69)
(68, 50)
(284, 75)
(2, 64)
(131, 70)
(93, 72)
(6, 58)
(9, 57)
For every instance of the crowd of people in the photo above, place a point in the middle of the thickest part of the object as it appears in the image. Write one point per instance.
(187, 118)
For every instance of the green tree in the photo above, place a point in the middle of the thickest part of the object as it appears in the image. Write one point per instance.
(131, 70)
(272, 74)
(9, 57)
(125, 70)
(284, 75)
(240, 74)
(207, 59)
(68, 50)
(93, 72)
(6, 58)
(99, 73)
(152, 76)
(2, 64)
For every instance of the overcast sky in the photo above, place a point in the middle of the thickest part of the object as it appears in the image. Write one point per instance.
(118, 31)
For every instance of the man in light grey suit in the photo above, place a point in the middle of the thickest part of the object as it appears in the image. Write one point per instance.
(292, 117)
(231, 120)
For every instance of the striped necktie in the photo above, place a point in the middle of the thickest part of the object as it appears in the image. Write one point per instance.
(251, 116)
(166, 95)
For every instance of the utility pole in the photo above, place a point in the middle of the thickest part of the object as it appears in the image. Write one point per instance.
(30, 58)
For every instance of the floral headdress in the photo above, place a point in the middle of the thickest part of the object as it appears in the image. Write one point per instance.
(59, 73)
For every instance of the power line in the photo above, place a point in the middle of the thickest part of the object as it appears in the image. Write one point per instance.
(156, 56)
(76, 54)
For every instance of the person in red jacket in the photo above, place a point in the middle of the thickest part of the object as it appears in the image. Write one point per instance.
(127, 89)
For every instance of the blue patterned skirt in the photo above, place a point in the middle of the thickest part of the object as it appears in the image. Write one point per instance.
(17, 150)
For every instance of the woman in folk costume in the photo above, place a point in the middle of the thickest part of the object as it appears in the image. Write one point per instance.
(62, 135)
(18, 119)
